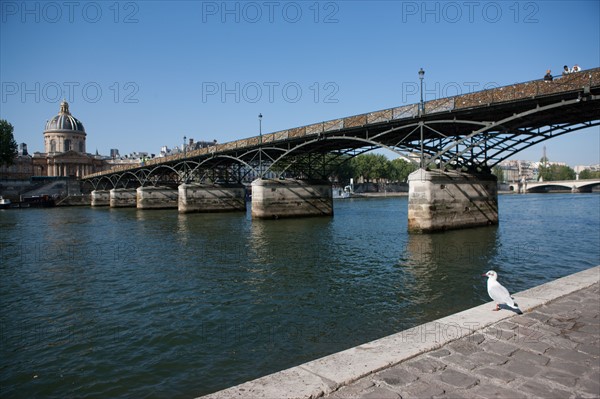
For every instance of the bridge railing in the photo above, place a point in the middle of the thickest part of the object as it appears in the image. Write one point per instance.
(535, 88)
(531, 89)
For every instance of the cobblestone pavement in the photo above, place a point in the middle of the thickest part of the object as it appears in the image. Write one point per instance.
(552, 351)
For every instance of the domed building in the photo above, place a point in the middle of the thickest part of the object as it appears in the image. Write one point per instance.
(64, 144)
(64, 132)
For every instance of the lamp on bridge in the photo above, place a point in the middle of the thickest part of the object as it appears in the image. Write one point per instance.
(183, 147)
(422, 105)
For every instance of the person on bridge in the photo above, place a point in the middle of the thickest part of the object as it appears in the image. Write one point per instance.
(575, 68)
(566, 71)
(548, 77)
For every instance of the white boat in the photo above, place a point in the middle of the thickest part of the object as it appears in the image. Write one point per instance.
(338, 192)
(4, 203)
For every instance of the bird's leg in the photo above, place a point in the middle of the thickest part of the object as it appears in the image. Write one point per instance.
(497, 307)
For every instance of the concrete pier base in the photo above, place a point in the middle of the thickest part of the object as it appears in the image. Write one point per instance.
(100, 198)
(439, 200)
(123, 198)
(157, 198)
(272, 199)
(196, 197)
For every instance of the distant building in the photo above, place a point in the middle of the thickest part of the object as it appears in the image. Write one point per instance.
(22, 167)
(64, 152)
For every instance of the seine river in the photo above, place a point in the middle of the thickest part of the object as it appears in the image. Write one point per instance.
(127, 303)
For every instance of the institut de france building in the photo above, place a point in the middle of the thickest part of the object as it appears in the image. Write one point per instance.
(64, 152)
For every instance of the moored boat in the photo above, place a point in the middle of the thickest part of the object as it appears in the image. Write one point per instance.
(4, 203)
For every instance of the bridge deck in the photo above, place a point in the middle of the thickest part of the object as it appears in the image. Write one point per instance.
(487, 105)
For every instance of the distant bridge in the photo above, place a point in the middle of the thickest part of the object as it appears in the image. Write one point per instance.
(580, 186)
(471, 132)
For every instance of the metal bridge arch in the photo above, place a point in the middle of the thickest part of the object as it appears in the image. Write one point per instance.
(475, 130)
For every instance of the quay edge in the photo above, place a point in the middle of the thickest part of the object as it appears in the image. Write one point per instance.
(325, 375)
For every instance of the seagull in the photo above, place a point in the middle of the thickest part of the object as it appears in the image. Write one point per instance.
(499, 293)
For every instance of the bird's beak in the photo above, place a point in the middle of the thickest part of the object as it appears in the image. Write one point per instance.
(484, 275)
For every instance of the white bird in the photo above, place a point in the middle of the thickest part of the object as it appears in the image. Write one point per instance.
(499, 293)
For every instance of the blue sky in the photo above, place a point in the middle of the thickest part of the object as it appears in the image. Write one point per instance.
(143, 74)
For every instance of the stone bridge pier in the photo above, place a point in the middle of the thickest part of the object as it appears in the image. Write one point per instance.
(290, 198)
(439, 200)
(196, 197)
(100, 198)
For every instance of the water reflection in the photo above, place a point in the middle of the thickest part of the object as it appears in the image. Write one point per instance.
(442, 267)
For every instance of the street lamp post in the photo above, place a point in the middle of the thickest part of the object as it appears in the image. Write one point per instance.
(421, 113)
(185, 180)
(422, 106)
(260, 145)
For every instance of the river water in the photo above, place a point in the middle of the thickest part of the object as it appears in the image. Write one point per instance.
(128, 303)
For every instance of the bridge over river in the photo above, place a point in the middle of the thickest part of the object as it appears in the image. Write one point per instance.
(576, 186)
(456, 141)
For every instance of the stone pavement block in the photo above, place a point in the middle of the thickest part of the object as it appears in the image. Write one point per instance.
(581, 337)
(522, 368)
(524, 321)
(589, 329)
(426, 365)
(521, 355)
(595, 374)
(536, 333)
(440, 353)
(540, 390)
(593, 350)
(562, 323)
(563, 308)
(463, 347)
(475, 338)
(458, 379)
(354, 390)
(422, 390)
(559, 342)
(589, 302)
(488, 359)
(461, 360)
(568, 381)
(537, 315)
(498, 374)
(542, 331)
(592, 321)
(396, 376)
(495, 333)
(380, 393)
(537, 347)
(589, 387)
(507, 325)
(489, 391)
(574, 369)
(570, 355)
(499, 347)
